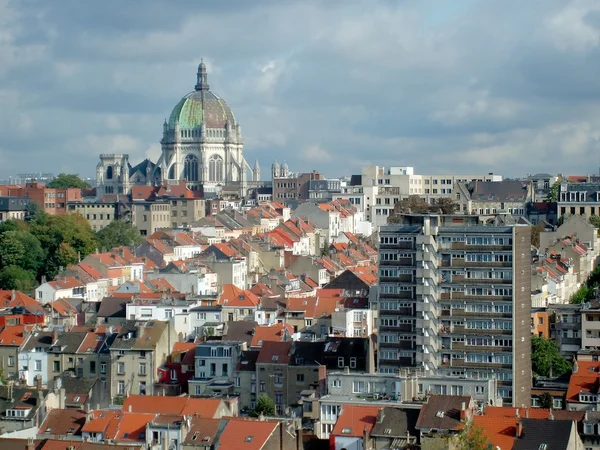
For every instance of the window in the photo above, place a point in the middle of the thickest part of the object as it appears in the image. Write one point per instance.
(340, 362)
(143, 369)
(190, 168)
(11, 361)
(92, 367)
(121, 368)
(353, 363)
(358, 387)
(336, 383)
(142, 388)
(38, 365)
(215, 168)
(56, 366)
(103, 367)
(300, 378)
(237, 382)
(121, 388)
(262, 386)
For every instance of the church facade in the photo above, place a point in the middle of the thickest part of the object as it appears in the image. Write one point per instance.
(201, 143)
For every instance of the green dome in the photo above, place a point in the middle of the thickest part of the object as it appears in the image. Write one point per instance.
(201, 106)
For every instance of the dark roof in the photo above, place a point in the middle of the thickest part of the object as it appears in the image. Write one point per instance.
(442, 412)
(248, 360)
(241, 331)
(347, 280)
(20, 444)
(139, 335)
(142, 167)
(14, 203)
(500, 191)
(307, 353)
(21, 397)
(397, 421)
(113, 307)
(68, 342)
(554, 433)
(41, 339)
(73, 385)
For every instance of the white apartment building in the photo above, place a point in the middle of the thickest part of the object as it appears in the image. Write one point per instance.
(381, 188)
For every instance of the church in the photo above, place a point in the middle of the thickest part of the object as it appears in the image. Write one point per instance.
(201, 144)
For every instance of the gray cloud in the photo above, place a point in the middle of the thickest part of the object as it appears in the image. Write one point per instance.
(500, 86)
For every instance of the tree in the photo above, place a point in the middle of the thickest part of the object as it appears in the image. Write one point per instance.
(445, 204)
(546, 400)
(264, 406)
(546, 360)
(552, 196)
(14, 277)
(473, 438)
(12, 249)
(535, 234)
(595, 221)
(325, 248)
(118, 234)
(66, 181)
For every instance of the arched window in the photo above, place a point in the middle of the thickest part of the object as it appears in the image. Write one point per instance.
(172, 172)
(215, 168)
(190, 168)
(109, 173)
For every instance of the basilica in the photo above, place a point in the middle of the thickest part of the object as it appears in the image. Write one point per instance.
(201, 143)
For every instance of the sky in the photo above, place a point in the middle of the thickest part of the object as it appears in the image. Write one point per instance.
(462, 86)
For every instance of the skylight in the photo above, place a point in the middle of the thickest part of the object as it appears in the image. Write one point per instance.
(248, 438)
(439, 414)
(275, 357)
(346, 430)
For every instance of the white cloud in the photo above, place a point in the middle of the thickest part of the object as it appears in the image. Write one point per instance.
(316, 154)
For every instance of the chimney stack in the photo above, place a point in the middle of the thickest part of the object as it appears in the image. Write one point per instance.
(550, 415)
(38, 381)
(463, 411)
(54, 335)
(517, 413)
(380, 415)
(519, 429)
(13, 295)
(30, 444)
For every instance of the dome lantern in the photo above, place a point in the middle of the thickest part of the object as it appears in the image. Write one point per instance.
(201, 77)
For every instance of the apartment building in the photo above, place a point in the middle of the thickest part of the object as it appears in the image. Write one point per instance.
(590, 325)
(150, 217)
(98, 214)
(579, 199)
(137, 353)
(13, 208)
(454, 298)
(215, 363)
(53, 201)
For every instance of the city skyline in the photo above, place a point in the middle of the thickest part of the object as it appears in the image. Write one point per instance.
(342, 86)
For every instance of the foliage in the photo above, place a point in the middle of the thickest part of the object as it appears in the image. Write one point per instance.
(473, 438)
(546, 400)
(67, 180)
(546, 360)
(583, 294)
(41, 246)
(595, 221)
(325, 248)
(418, 205)
(535, 234)
(552, 196)
(264, 406)
(14, 277)
(118, 234)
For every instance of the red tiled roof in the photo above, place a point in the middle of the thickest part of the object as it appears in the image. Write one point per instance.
(275, 353)
(354, 420)
(271, 333)
(63, 307)
(500, 431)
(586, 378)
(203, 407)
(14, 299)
(13, 335)
(235, 297)
(532, 413)
(246, 434)
(65, 283)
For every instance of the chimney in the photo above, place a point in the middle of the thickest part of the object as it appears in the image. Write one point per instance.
(347, 370)
(61, 398)
(13, 295)
(527, 413)
(54, 335)
(130, 409)
(550, 415)
(30, 444)
(261, 417)
(519, 429)
(38, 381)
(165, 440)
(517, 413)
(463, 411)
(299, 439)
(366, 438)
(380, 415)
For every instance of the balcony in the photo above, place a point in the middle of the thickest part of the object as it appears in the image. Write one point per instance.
(403, 344)
(461, 263)
(402, 362)
(487, 331)
(459, 279)
(396, 295)
(426, 290)
(400, 327)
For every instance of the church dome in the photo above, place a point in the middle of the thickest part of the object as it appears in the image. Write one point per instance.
(201, 106)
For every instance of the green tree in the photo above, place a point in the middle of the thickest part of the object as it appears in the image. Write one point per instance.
(118, 234)
(595, 221)
(546, 400)
(14, 277)
(418, 205)
(473, 438)
(584, 294)
(325, 248)
(546, 360)
(264, 406)
(67, 180)
(552, 196)
(12, 249)
(445, 204)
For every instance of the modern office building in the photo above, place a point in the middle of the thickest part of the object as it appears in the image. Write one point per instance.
(454, 299)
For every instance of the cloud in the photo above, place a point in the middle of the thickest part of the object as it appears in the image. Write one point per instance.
(499, 86)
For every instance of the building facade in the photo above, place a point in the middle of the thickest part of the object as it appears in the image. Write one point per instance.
(454, 298)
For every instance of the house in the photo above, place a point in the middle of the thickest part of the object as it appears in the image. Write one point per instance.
(279, 332)
(584, 390)
(257, 435)
(394, 427)
(245, 386)
(444, 414)
(21, 408)
(33, 358)
(174, 375)
(62, 287)
(215, 363)
(227, 262)
(488, 198)
(12, 339)
(353, 427)
(61, 314)
(210, 408)
(136, 354)
(237, 304)
(16, 299)
(202, 434)
(62, 423)
(324, 216)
